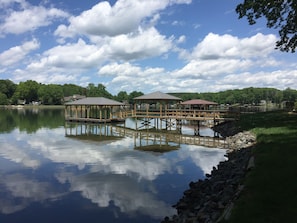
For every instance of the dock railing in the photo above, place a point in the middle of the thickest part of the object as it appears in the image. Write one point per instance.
(188, 114)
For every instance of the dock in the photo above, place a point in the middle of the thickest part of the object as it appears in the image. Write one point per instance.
(156, 110)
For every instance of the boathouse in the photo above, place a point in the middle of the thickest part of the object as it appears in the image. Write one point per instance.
(156, 102)
(164, 111)
(199, 104)
(93, 109)
(153, 111)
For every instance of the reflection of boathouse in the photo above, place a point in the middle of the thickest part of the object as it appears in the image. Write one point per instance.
(92, 132)
(143, 140)
(93, 109)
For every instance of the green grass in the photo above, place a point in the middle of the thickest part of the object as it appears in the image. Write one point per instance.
(270, 193)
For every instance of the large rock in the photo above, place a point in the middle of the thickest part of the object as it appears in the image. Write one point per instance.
(240, 140)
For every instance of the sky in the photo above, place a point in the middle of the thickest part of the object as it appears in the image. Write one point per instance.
(140, 45)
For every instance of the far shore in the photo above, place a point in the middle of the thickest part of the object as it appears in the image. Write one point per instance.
(30, 106)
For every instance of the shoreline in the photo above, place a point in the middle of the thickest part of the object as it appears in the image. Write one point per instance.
(32, 106)
(211, 199)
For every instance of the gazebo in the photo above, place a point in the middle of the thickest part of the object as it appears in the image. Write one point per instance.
(156, 101)
(199, 104)
(155, 106)
(93, 109)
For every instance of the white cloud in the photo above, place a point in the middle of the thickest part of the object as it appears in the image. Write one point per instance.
(80, 57)
(145, 44)
(281, 78)
(124, 17)
(115, 69)
(231, 58)
(29, 18)
(181, 39)
(17, 53)
(125, 74)
(206, 69)
(70, 56)
(214, 46)
(6, 3)
(210, 67)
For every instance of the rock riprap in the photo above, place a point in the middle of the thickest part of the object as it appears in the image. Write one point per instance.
(211, 199)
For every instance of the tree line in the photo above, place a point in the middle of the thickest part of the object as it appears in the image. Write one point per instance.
(54, 94)
(251, 96)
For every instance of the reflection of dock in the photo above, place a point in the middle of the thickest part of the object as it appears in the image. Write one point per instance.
(92, 132)
(142, 138)
(172, 137)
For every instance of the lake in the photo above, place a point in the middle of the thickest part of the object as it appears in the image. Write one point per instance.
(52, 171)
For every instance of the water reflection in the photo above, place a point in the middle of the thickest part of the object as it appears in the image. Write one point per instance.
(59, 168)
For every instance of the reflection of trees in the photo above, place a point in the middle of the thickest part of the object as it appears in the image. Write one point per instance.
(30, 120)
(7, 121)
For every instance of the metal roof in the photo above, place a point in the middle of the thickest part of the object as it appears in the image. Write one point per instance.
(95, 101)
(198, 102)
(158, 96)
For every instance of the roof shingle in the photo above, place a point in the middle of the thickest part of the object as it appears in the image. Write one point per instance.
(158, 96)
(95, 101)
(198, 102)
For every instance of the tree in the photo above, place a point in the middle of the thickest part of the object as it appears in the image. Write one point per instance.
(103, 92)
(91, 90)
(3, 99)
(51, 94)
(280, 15)
(133, 95)
(122, 96)
(26, 91)
(7, 87)
(290, 95)
(72, 89)
(99, 91)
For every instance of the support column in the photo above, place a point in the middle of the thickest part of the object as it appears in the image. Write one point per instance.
(179, 125)
(147, 109)
(197, 129)
(65, 112)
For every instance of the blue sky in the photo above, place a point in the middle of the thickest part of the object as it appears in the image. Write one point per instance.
(140, 45)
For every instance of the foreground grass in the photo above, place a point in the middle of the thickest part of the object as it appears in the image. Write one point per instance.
(270, 193)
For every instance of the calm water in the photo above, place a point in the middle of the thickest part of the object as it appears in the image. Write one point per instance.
(57, 172)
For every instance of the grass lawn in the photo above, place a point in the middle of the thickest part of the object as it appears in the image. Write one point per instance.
(270, 193)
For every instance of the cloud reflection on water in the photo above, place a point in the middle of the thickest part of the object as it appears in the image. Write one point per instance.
(18, 192)
(105, 172)
(130, 196)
